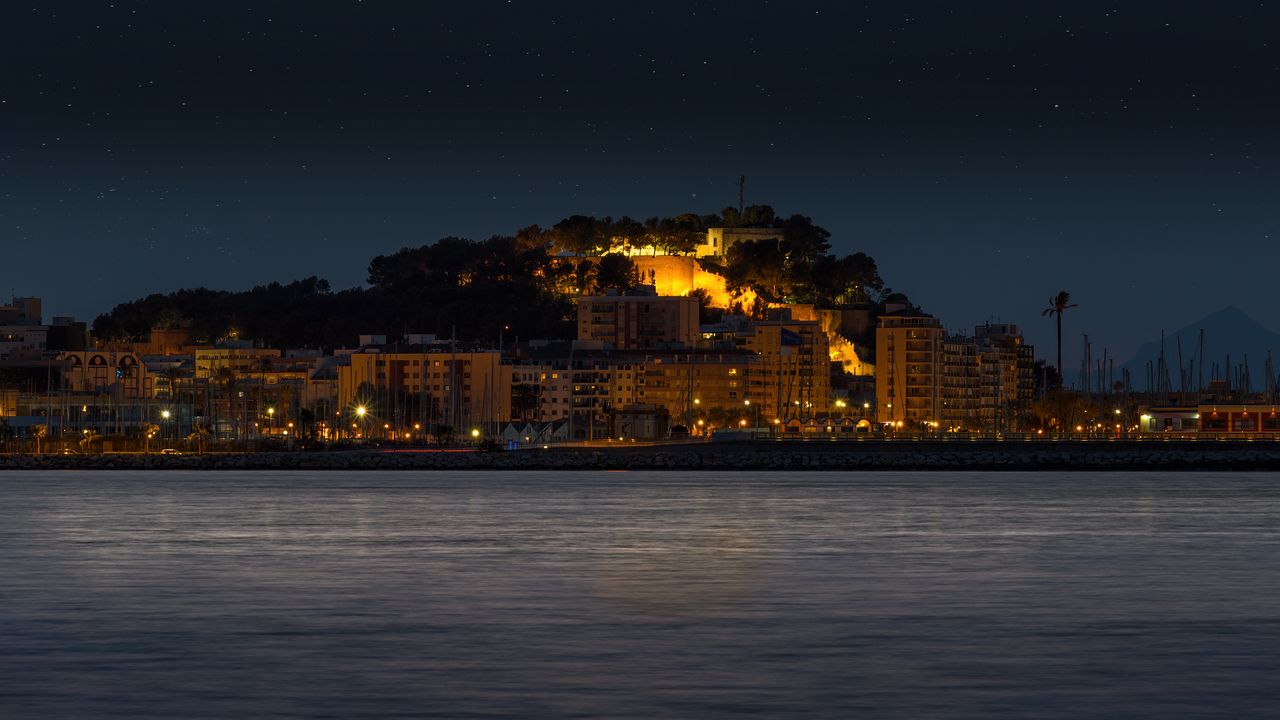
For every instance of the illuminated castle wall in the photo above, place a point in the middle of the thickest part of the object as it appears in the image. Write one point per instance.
(675, 275)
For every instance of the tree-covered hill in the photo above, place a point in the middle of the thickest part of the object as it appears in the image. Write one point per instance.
(522, 285)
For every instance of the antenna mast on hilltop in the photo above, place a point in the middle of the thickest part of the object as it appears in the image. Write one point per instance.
(742, 184)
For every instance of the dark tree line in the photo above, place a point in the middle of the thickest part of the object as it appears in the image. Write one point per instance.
(480, 288)
(299, 314)
(780, 271)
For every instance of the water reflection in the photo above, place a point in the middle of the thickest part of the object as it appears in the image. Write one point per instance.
(638, 595)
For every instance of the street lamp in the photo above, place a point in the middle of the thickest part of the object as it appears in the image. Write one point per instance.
(164, 415)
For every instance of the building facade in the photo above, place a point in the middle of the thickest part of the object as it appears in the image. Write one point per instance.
(909, 369)
(988, 379)
(121, 374)
(793, 375)
(1214, 419)
(720, 239)
(428, 387)
(638, 322)
(246, 360)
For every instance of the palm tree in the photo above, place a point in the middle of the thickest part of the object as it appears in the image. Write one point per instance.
(149, 430)
(1059, 304)
(39, 432)
(199, 431)
(172, 375)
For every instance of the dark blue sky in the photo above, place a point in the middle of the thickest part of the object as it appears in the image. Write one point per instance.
(986, 154)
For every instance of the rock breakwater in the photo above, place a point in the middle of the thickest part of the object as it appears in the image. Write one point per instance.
(1200, 455)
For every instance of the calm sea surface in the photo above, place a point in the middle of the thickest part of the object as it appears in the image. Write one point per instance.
(639, 595)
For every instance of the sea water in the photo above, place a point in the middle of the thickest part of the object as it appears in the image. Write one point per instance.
(638, 595)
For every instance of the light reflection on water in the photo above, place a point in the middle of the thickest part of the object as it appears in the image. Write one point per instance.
(639, 595)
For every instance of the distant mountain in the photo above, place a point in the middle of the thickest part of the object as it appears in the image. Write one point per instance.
(1229, 331)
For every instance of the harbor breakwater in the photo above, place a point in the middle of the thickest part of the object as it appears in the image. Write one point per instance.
(895, 455)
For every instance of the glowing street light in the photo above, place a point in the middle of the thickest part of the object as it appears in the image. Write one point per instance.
(165, 414)
(361, 410)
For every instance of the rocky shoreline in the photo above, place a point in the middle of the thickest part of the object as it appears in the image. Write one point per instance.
(899, 455)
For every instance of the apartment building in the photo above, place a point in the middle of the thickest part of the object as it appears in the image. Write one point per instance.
(639, 321)
(980, 382)
(793, 376)
(684, 382)
(427, 385)
(241, 359)
(909, 368)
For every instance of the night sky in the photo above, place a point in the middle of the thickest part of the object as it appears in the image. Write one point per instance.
(987, 154)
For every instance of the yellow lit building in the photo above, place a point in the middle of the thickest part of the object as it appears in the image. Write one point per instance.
(953, 382)
(460, 389)
(793, 375)
(683, 382)
(909, 368)
(240, 360)
(592, 382)
(716, 243)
